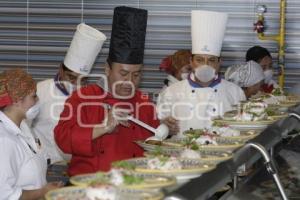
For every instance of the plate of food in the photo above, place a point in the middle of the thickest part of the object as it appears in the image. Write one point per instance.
(214, 157)
(246, 125)
(251, 116)
(204, 142)
(98, 192)
(246, 114)
(181, 168)
(124, 179)
(277, 98)
(291, 100)
(222, 131)
(207, 142)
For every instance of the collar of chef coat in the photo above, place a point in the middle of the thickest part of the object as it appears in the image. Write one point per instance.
(194, 84)
(60, 86)
(172, 79)
(9, 124)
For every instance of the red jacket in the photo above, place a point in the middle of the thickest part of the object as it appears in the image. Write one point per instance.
(93, 155)
(267, 88)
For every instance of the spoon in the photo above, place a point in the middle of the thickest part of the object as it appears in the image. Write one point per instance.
(160, 133)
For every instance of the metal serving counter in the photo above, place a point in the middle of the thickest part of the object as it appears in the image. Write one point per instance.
(209, 183)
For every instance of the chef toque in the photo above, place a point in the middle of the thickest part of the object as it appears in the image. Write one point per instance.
(208, 30)
(128, 34)
(85, 46)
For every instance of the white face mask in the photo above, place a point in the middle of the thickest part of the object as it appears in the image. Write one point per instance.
(33, 111)
(205, 73)
(268, 75)
(184, 75)
(70, 87)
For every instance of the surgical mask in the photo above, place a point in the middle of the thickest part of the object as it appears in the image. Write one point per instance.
(33, 111)
(268, 75)
(205, 73)
(70, 87)
(184, 75)
(73, 88)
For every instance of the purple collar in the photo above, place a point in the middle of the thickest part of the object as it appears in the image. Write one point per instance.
(194, 84)
(60, 86)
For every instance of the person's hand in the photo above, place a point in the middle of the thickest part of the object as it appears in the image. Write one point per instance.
(52, 186)
(115, 117)
(172, 124)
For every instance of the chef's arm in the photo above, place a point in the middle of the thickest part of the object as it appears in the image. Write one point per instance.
(40, 193)
(32, 194)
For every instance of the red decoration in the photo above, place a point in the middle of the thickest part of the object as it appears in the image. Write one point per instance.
(166, 65)
(259, 26)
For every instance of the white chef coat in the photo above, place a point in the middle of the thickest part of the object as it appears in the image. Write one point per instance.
(22, 167)
(169, 81)
(194, 106)
(52, 102)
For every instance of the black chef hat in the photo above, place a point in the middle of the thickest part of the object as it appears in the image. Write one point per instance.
(128, 33)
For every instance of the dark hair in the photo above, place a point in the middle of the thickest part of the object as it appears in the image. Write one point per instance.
(109, 62)
(257, 53)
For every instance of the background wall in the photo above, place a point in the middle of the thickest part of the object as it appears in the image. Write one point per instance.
(36, 34)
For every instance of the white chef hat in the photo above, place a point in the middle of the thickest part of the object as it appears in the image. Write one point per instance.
(245, 75)
(208, 30)
(85, 46)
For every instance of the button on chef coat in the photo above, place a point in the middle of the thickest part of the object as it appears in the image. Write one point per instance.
(21, 168)
(195, 106)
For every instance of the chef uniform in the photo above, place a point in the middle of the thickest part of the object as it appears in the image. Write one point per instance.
(187, 101)
(23, 161)
(262, 56)
(85, 47)
(88, 106)
(28, 166)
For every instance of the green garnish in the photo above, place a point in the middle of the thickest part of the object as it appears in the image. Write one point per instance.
(100, 178)
(163, 159)
(194, 146)
(131, 179)
(277, 92)
(270, 112)
(157, 151)
(190, 143)
(124, 165)
(219, 124)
